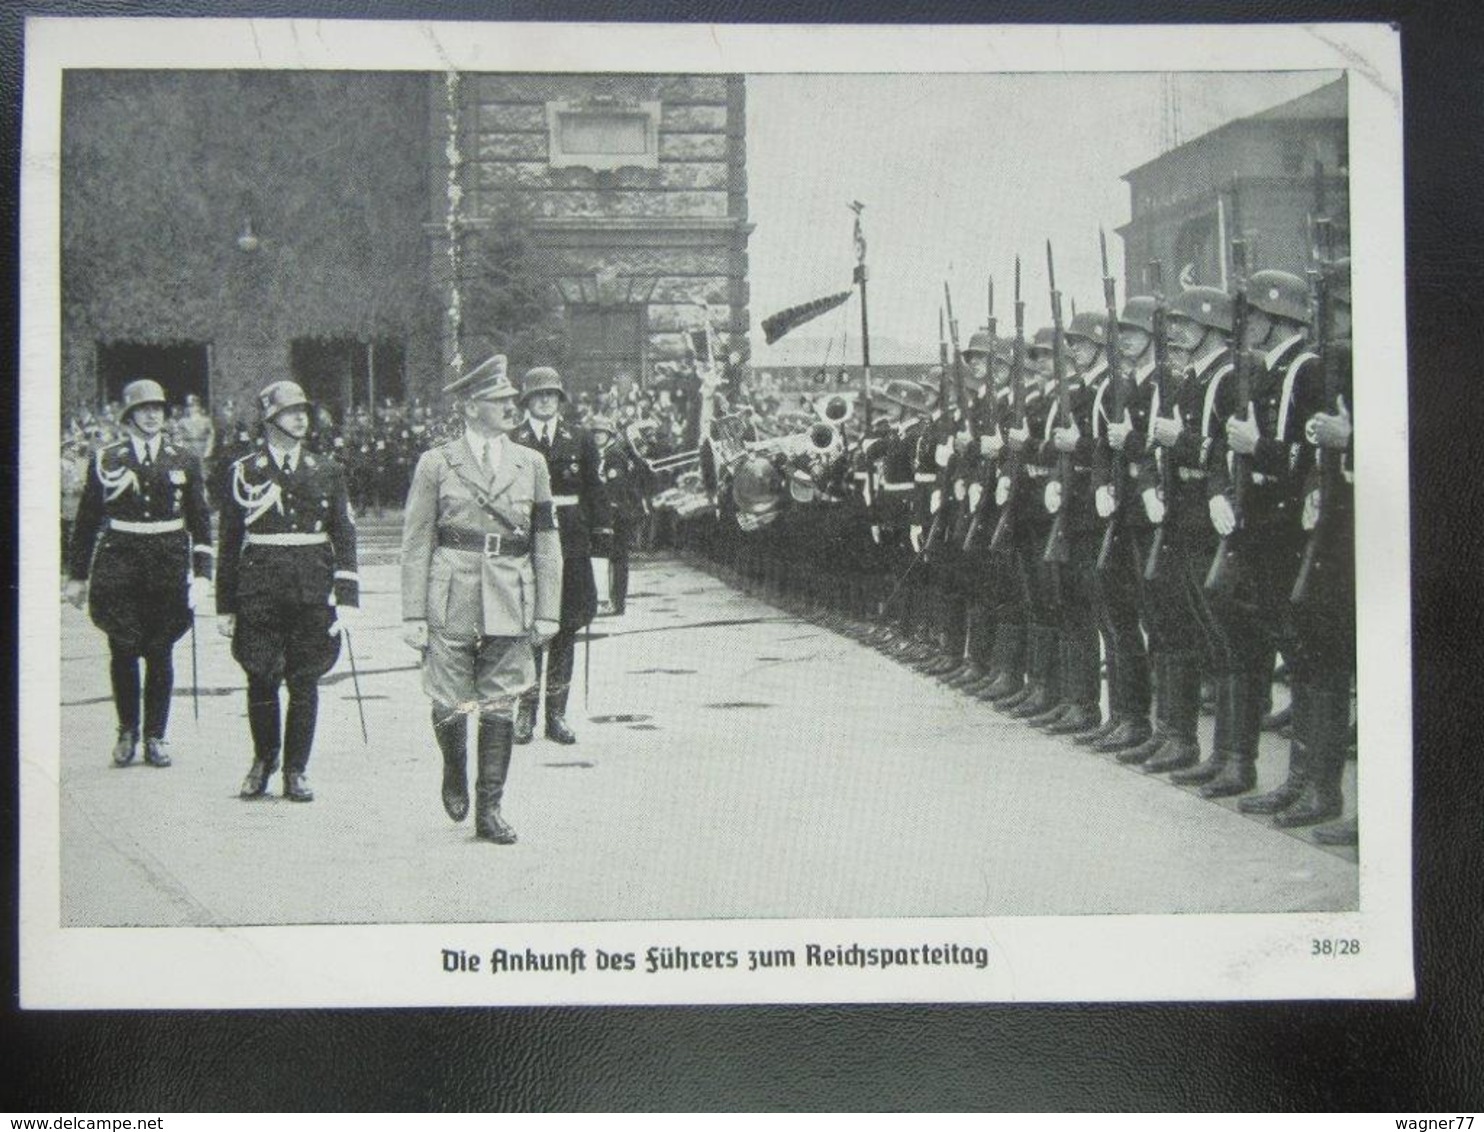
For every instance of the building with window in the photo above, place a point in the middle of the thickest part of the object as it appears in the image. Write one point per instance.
(370, 234)
(1184, 211)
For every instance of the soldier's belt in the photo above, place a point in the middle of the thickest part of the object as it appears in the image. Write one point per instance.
(1037, 473)
(495, 545)
(163, 527)
(1262, 480)
(306, 538)
(1188, 474)
(926, 477)
(565, 500)
(898, 486)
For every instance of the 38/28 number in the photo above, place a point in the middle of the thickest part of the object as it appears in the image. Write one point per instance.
(1335, 947)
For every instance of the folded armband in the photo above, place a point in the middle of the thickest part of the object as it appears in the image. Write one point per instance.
(347, 587)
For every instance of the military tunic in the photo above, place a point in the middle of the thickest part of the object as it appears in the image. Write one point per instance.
(141, 531)
(481, 563)
(288, 544)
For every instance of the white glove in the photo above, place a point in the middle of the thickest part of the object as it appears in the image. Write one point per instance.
(1166, 430)
(1223, 518)
(1066, 438)
(876, 533)
(1053, 497)
(1330, 430)
(1017, 437)
(914, 536)
(415, 635)
(346, 617)
(976, 493)
(1154, 506)
(196, 595)
(226, 623)
(991, 445)
(1242, 434)
(935, 501)
(1118, 432)
(1002, 491)
(960, 489)
(1103, 498)
(543, 631)
(942, 453)
(75, 593)
(1310, 518)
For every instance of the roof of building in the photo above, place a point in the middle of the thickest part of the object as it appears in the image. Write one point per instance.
(1327, 102)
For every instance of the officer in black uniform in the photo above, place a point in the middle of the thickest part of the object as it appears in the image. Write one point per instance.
(140, 558)
(586, 529)
(626, 482)
(287, 584)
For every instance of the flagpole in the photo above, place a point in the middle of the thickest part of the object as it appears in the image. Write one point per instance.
(860, 277)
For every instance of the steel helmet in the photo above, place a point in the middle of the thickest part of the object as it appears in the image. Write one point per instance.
(280, 397)
(1280, 294)
(137, 394)
(1207, 306)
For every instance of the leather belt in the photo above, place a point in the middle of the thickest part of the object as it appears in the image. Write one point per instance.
(494, 545)
(1037, 473)
(565, 500)
(926, 477)
(1262, 480)
(163, 527)
(1189, 474)
(898, 486)
(310, 538)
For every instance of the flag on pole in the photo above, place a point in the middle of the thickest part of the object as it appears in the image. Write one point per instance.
(777, 325)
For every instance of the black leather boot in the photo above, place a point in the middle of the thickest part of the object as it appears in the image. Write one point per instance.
(1129, 734)
(1239, 773)
(1345, 832)
(1143, 752)
(1288, 792)
(1205, 770)
(495, 736)
(451, 728)
(1322, 798)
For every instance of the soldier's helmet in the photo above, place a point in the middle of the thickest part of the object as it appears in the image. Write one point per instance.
(1339, 282)
(597, 424)
(280, 397)
(542, 379)
(908, 395)
(137, 394)
(1210, 307)
(1042, 343)
(980, 343)
(1138, 313)
(1091, 326)
(1280, 294)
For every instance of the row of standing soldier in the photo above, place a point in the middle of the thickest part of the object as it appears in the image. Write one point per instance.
(489, 587)
(1164, 488)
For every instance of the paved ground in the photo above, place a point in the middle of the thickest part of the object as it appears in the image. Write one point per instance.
(734, 762)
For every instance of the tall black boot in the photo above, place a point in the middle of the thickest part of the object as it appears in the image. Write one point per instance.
(1207, 769)
(159, 685)
(1041, 689)
(123, 674)
(1322, 798)
(562, 657)
(451, 728)
(1163, 697)
(525, 713)
(1239, 772)
(1181, 750)
(298, 736)
(495, 735)
(264, 723)
(1292, 786)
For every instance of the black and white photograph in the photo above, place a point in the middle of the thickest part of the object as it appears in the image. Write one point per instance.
(648, 515)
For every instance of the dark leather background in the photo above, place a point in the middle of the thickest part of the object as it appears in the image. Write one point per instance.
(1426, 1056)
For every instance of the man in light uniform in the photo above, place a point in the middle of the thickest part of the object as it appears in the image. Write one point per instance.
(481, 587)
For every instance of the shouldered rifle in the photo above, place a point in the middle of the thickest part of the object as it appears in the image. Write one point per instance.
(1116, 467)
(930, 437)
(1014, 460)
(1165, 394)
(1329, 462)
(1056, 543)
(1222, 575)
(992, 410)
